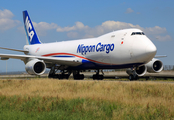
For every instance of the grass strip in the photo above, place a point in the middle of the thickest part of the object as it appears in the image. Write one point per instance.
(17, 107)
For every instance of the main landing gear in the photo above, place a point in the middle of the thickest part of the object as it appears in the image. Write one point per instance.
(77, 75)
(64, 74)
(97, 76)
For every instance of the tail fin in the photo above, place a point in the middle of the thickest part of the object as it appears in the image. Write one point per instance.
(31, 35)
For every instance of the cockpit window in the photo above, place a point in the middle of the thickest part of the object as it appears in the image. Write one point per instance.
(137, 33)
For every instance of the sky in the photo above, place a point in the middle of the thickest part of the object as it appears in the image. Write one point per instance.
(63, 20)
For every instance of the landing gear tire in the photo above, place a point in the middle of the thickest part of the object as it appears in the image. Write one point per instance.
(64, 74)
(78, 77)
(132, 77)
(59, 76)
(51, 76)
(97, 77)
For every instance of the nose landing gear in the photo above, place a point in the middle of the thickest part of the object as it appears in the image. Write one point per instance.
(132, 74)
(133, 77)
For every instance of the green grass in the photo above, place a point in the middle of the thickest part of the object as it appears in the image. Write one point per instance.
(69, 99)
(52, 108)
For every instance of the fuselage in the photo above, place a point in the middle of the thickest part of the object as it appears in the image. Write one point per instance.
(119, 49)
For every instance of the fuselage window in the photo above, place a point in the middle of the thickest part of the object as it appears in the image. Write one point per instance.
(133, 33)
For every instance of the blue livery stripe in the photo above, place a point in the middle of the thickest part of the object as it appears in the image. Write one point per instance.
(63, 56)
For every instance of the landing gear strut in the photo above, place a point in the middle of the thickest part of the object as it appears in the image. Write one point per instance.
(97, 76)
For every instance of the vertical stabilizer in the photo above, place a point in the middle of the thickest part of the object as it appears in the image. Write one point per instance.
(31, 35)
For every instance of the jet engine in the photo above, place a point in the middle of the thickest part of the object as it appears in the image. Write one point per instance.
(154, 66)
(140, 71)
(35, 67)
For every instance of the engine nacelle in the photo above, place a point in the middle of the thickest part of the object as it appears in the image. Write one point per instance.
(154, 66)
(35, 67)
(140, 71)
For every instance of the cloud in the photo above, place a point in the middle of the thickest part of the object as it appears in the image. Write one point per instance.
(157, 33)
(6, 21)
(6, 14)
(77, 26)
(43, 27)
(6, 24)
(116, 25)
(154, 30)
(79, 30)
(163, 38)
(129, 10)
(72, 34)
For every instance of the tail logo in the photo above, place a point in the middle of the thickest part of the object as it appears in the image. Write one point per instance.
(29, 28)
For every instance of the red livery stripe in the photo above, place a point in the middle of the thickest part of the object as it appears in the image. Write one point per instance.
(53, 54)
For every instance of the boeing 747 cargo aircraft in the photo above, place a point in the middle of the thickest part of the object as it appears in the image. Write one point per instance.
(128, 48)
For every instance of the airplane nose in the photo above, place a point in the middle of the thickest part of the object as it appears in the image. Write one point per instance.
(151, 50)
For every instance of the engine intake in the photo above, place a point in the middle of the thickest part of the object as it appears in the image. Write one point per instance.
(35, 67)
(154, 66)
(140, 71)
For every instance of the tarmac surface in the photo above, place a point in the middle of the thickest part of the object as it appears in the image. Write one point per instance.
(111, 75)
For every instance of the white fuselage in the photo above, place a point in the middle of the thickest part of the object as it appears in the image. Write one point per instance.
(118, 48)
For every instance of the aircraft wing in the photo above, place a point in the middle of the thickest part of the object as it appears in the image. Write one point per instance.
(60, 61)
(14, 49)
(160, 56)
